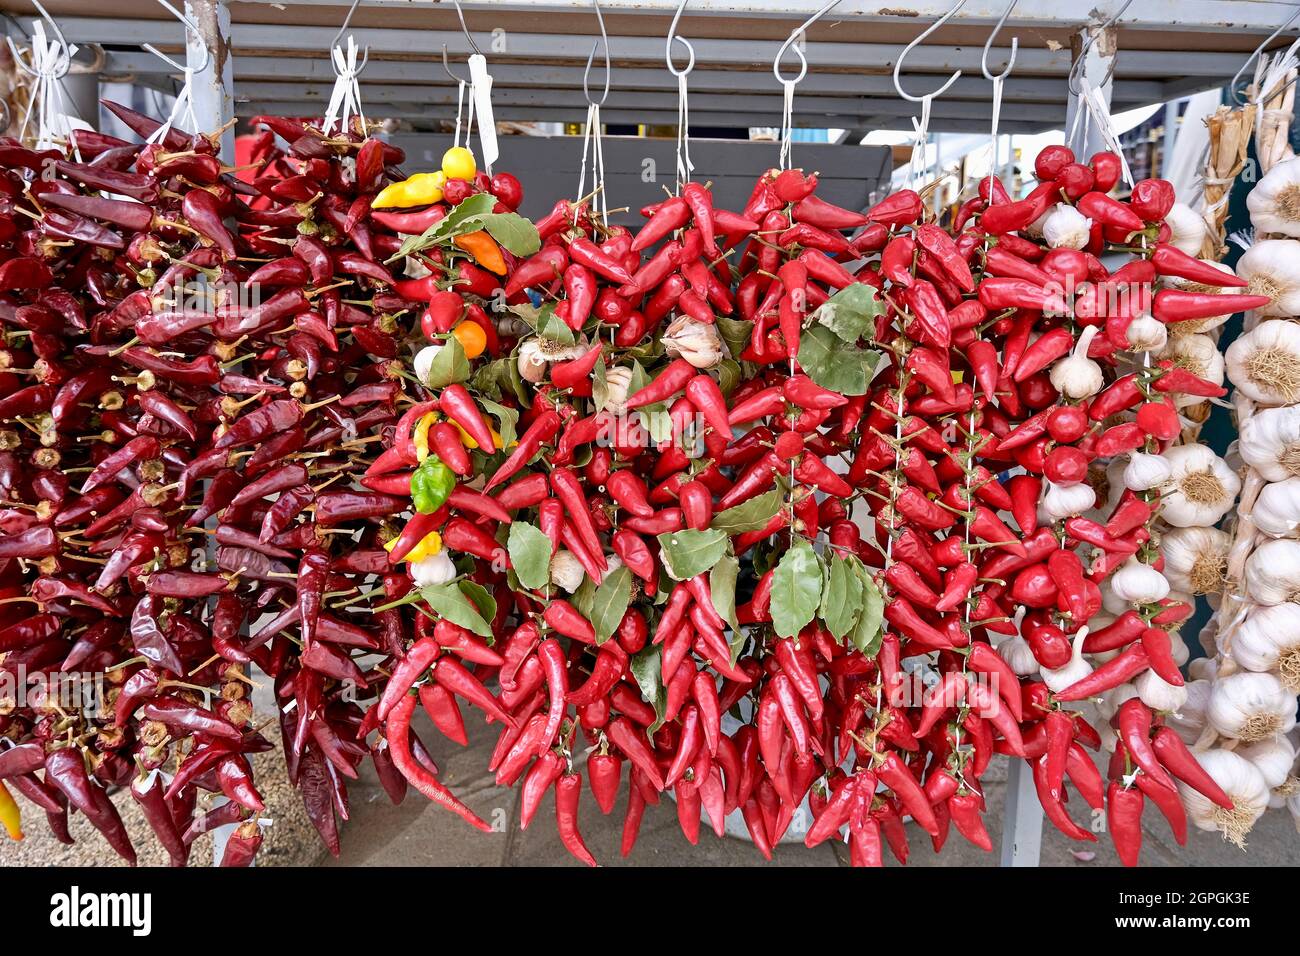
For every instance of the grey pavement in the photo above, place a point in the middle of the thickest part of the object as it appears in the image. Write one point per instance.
(418, 833)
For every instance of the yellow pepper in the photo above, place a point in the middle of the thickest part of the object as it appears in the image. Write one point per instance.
(422, 189)
(429, 545)
(484, 249)
(469, 442)
(10, 815)
(420, 436)
(458, 163)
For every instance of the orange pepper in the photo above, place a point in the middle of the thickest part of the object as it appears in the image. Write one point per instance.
(484, 249)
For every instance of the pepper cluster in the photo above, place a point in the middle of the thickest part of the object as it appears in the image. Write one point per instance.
(212, 366)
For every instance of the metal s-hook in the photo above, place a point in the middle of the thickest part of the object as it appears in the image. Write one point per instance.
(1259, 50)
(447, 67)
(898, 65)
(586, 74)
(668, 45)
(365, 52)
(465, 28)
(791, 41)
(997, 80)
(1015, 44)
(190, 26)
(1077, 66)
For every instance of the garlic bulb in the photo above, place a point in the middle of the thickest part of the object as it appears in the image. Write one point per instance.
(1178, 649)
(1264, 363)
(566, 571)
(1015, 650)
(697, 342)
(1073, 671)
(1111, 700)
(1195, 559)
(1270, 442)
(423, 362)
(1157, 694)
(1200, 355)
(1204, 487)
(1249, 706)
(1189, 720)
(1245, 787)
(1269, 640)
(1035, 229)
(1147, 334)
(1186, 229)
(1065, 501)
(1274, 203)
(1138, 583)
(1272, 267)
(1066, 228)
(1144, 472)
(1076, 376)
(435, 569)
(1273, 758)
(1205, 668)
(1111, 602)
(1273, 572)
(617, 381)
(536, 354)
(1277, 509)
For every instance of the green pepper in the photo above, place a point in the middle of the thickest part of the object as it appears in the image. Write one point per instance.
(431, 485)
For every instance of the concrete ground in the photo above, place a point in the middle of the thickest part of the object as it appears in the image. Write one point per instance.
(418, 833)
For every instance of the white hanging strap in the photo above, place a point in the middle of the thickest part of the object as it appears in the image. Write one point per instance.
(46, 66)
(593, 147)
(787, 121)
(598, 164)
(481, 101)
(1095, 112)
(182, 110)
(993, 139)
(684, 165)
(460, 112)
(921, 126)
(345, 99)
(469, 115)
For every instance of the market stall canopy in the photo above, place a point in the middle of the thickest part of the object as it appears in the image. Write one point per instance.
(1166, 49)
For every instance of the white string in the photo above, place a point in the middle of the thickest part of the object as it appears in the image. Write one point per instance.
(469, 115)
(993, 139)
(684, 165)
(345, 99)
(921, 126)
(183, 106)
(599, 165)
(787, 121)
(592, 146)
(44, 65)
(460, 108)
(1094, 111)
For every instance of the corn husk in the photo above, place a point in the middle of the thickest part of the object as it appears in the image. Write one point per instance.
(1274, 93)
(1230, 131)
